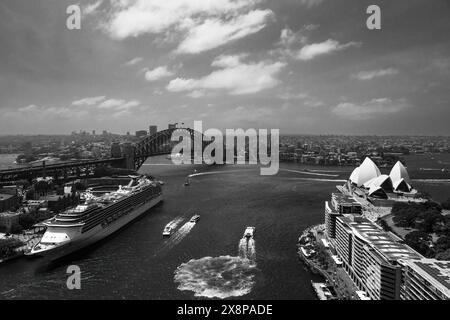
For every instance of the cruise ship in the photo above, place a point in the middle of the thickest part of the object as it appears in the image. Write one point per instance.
(97, 217)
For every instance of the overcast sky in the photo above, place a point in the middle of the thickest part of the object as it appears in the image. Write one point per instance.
(303, 66)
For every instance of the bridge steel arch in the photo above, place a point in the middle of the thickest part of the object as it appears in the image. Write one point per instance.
(161, 143)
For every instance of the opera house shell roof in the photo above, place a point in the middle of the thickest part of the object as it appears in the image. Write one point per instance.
(382, 181)
(368, 175)
(367, 171)
(399, 172)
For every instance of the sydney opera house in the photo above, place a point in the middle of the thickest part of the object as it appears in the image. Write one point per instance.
(367, 180)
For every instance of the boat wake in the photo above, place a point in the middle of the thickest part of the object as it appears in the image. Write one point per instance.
(432, 180)
(217, 172)
(220, 277)
(175, 222)
(216, 277)
(326, 171)
(247, 249)
(311, 173)
(319, 180)
(177, 237)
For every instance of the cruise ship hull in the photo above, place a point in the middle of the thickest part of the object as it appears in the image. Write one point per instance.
(96, 234)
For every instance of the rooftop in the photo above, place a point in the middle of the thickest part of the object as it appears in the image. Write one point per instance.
(380, 240)
(344, 199)
(434, 271)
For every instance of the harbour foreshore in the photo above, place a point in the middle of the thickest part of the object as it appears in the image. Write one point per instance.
(334, 277)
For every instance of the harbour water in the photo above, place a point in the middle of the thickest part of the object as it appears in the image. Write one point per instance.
(206, 259)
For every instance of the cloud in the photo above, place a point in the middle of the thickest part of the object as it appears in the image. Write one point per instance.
(235, 77)
(38, 113)
(289, 38)
(158, 73)
(196, 94)
(311, 3)
(128, 105)
(91, 8)
(287, 95)
(134, 61)
(314, 50)
(200, 24)
(30, 108)
(118, 104)
(369, 109)
(213, 33)
(304, 98)
(111, 103)
(88, 101)
(369, 75)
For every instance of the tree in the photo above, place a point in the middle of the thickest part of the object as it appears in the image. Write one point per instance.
(420, 241)
(445, 255)
(16, 228)
(26, 220)
(442, 244)
(446, 204)
(383, 224)
(7, 246)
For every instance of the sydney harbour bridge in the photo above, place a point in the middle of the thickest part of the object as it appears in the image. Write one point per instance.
(133, 156)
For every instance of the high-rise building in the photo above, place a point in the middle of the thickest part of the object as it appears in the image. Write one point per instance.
(128, 153)
(116, 152)
(141, 133)
(152, 130)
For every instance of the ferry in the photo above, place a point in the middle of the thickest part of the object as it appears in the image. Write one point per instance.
(97, 217)
(249, 232)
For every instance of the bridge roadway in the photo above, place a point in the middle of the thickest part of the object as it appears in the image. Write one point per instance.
(133, 156)
(63, 169)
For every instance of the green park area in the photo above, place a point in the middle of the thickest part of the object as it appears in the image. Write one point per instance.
(424, 226)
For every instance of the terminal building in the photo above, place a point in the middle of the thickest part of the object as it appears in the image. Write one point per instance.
(425, 279)
(370, 256)
(378, 262)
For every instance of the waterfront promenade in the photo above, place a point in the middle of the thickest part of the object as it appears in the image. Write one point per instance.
(323, 264)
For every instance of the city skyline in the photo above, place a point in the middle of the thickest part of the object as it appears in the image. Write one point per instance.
(308, 66)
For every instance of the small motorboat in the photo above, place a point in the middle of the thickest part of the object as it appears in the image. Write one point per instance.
(249, 232)
(167, 231)
(195, 218)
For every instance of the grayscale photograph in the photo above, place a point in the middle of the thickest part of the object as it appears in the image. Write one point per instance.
(225, 154)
